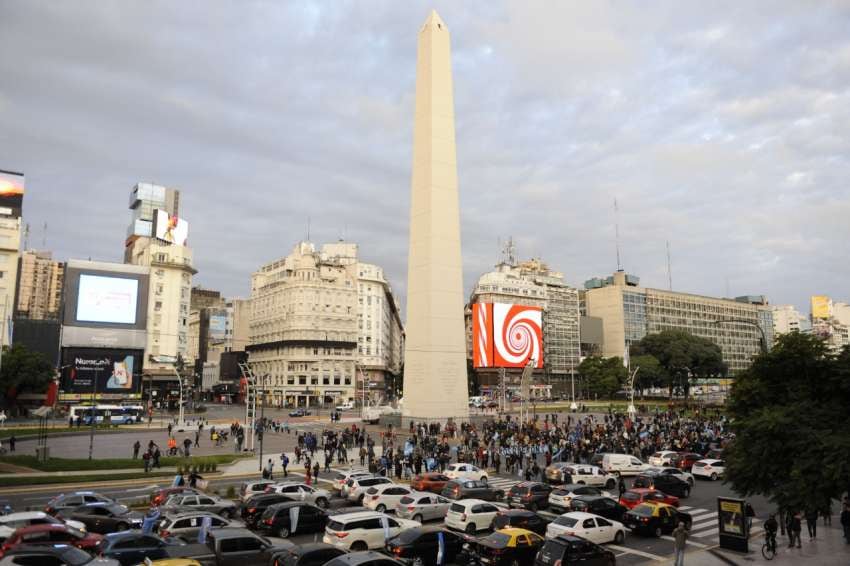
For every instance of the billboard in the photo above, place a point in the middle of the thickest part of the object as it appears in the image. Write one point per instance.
(169, 228)
(105, 295)
(107, 299)
(506, 336)
(821, 307)
(218, 327)
(101, 371)
(11, 193)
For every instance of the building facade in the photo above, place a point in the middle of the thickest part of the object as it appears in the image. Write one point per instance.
(831, 322)
(786, 319)
(10, 246)
(380, 334)
(39, 289)
(630, 312)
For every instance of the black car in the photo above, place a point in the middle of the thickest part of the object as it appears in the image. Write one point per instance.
(599, 505)
(104, 518)
(312, 554)
(254, 508)
(130, 548)
(471, 489)
(365, 558)
(529, 495)
(284, 519)
(568, 549)
(56, 555)
(522, 519)
(665, 483)
(424, 543)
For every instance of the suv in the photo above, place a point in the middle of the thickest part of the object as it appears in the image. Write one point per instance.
(301, 492)
(472, 515)
(471, 489)
(599, 505)
(568, 549)
(250, 488)
(357, 487)
(664, 482)
(466, 472)
(186, 526)
(363, 530)
(284, 519)
(529, 495)
(522, 519)
(254, 508)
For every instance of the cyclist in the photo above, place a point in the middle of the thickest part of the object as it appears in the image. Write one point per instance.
(770, 527)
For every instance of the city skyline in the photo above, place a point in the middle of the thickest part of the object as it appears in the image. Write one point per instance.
(654, 109)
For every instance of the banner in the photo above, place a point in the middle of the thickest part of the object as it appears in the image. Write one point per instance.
(206, 525)
(386, 526)
(294, 513)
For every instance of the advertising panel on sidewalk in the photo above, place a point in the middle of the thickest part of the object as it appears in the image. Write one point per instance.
(732, 524)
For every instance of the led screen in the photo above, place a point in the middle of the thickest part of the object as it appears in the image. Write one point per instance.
(169, 228)
(107, 299)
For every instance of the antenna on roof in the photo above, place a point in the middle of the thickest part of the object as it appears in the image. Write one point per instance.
(617, 233)
(44, 237)
(308, 228)
(669, 270)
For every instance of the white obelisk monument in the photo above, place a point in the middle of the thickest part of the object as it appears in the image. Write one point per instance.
(435, 346)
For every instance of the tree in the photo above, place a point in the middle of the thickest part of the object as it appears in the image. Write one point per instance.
(682, 356)
(650, 374)
(603, 376)
(24, 371)
(788, 412)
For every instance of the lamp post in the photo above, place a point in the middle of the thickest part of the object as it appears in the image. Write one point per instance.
(762, 342)
(261, 427)
(631, 410)
(93, 414)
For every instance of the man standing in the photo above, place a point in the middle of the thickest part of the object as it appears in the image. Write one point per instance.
(284, 462)
(136, 447)
(845, 519)
(680, 536)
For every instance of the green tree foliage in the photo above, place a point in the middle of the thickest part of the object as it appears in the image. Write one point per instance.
(603, 376)
(789, 413)
(682, 356)
(650, 372)
(24, 371)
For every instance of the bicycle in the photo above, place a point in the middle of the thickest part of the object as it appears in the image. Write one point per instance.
(768, 549)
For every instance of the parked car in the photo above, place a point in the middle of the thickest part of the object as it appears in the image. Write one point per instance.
(599, 505)
(74, 500)
(472, 489)
(673, 471)
(662, 457)
(421, 544)
(565, 472)
(341, 478)
(302, 492)
(250, 488)
(633, 497)
(365, 558)
(52, 534)
(521, 519)
(358, 486)
(186, 526)
(585, 525)
(299, 413)
(310, 554)
(225, 507)
(472, 515)
(385, 497)
(130, 548)
(560, 497)
(709, 469)
(624, 464)
(160, 496)
(655, 519)
(529, 495)
(58, 555)
(13, 521)
(506, 546)
(430, 481)
(284, 519)
(466, 472)
(573, 550)
(665, 483)
(104, 517)
(363, 530)
(421, 506)
(239, 547)
(684, 460)
(253, 509)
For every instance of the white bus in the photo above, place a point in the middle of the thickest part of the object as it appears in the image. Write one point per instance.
(112, 414)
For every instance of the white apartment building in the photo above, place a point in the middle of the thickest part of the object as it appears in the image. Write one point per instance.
(10, 247)
(786, 319)
(380, 334)
(40, 281)
(831, 321)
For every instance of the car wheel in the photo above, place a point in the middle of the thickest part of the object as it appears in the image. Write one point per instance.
(322, 502)
(657, 532)
(122, 527)
(714, 476)
(619, 537)
(484, 479)
(417, 518)
(686, 493)
(381, 508)
(283, 532)
(471, 529)
(359, 546)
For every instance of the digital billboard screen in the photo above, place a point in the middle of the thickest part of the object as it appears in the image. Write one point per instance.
(506, 336)
(107, 299)
(11, 193)
(169, 228)
(101, 371)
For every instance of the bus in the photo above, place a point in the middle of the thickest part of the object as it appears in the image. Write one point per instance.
(108, 414)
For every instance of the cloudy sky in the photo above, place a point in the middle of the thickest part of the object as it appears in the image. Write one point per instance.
(723, 127)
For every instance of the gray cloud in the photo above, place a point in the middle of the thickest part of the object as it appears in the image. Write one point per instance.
(720, 128)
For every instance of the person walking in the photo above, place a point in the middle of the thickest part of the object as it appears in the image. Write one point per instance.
(812, 523)
(680, 536)
(268, 472)
(12, 441)
(284, 462)
(621, 484)
(797, 528)
(845, 520)
(136, 447)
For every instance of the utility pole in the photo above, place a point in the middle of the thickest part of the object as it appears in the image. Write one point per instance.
(261, 427)
(93, 414)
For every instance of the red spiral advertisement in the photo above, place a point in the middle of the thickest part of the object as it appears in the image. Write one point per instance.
(506, 336)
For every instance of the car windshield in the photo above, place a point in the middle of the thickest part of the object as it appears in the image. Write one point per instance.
(631, 496)
(457, 508)
(117, 509)
(405, 500)
(565, 521)
(73, 556)
(335, 526)
(643, 510)
(75, 532)
(499, 540)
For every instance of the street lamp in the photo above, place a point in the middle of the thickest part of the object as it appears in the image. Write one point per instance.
(261, 426)
(93, 415)
(762, 342)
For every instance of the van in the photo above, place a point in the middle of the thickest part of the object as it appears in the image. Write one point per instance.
(625, 464)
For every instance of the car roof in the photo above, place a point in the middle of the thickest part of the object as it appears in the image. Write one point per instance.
(640, 490)
(514, 531)
(591, 498)
(468, 502)
(22, 515)
(185, 514)
(579, 515)
(288, 504)
(568, 538)
(517, 513)
(366, 556)
(345, 517)
(572, 486)
(41, 527)
(710, 460)
(126, 534)
(302, 549)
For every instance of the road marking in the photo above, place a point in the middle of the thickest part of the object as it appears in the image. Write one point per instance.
(625, 550)
(692, 543)
(708, 533)
(684, 508)
(701, 526)
(703, 516)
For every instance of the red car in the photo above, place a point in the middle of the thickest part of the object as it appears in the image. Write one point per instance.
(685, 460)
(160, 496)
(634, 497)
(431, 481)
(52, 534)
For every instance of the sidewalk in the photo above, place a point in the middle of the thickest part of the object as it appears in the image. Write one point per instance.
(829, 549)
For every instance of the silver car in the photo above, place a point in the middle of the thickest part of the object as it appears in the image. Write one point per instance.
(302, 492)
(186, 526)
(422, 506)
(209, 503)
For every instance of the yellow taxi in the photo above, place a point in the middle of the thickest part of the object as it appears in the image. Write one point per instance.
(655, 518)
(171, 562)
(508, 546)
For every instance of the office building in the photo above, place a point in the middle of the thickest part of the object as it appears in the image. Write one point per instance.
(630, 312)
(787, 319)
(831, 322)
(40, 280)
(220, 327)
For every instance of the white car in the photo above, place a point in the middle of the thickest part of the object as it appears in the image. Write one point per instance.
(341, 478)
(363, 530)
(472, 515)
(357, 488)
(253, 487)
(709, 468)
(465, 472)
(348, 405)
(669, 471)
(560, 497)
(661, 458)
(13, 521)
(590, 475)
(302, 492)
(586, 525)
(385, 496)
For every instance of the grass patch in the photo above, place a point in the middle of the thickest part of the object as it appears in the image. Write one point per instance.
(77, 464)
(21, 432)
(88, 478)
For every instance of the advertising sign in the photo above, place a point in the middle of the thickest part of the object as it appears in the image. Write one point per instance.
(11, 193)
(101, 371)
(218, 327)
(170, 229)
(107, 299)
(507, 336)
(732, 524)
(821, 307)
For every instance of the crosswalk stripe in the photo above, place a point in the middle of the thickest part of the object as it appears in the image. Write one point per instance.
(685, 507)
(707, 533)
(691, 542)
(625, 550)
(703, 516)
(700, 526)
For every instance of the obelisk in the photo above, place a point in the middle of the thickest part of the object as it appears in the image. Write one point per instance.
(435, 386)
